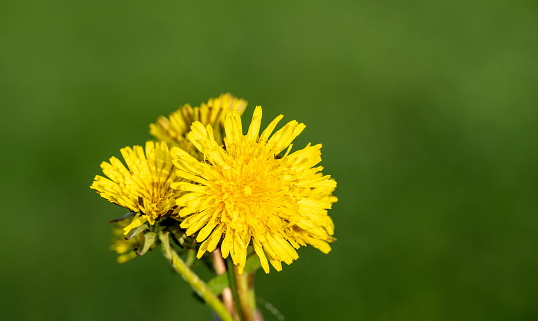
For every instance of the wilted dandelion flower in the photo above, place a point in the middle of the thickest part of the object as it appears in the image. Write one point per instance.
(174, 129)
(143, 188)
(244, 192)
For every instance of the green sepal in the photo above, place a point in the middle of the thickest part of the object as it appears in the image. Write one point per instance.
(137, 231)
(149, 240)
(124, 216)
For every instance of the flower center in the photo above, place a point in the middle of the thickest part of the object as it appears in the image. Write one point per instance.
(250, 193)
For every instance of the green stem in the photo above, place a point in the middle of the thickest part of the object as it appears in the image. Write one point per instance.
(196, 283)
(233, 286)
(245, 291)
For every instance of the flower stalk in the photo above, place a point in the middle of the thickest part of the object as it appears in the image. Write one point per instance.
(233, 287)
(245, 292)
(196, 283)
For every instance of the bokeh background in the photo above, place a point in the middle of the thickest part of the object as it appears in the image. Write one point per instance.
(427, 111)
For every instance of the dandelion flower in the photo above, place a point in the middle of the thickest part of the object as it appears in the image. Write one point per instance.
(143, 188)
(174, 129)
(245, 193)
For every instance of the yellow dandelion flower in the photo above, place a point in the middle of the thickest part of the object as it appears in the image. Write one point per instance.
(174, 129)
(245, 193)
(144, 188)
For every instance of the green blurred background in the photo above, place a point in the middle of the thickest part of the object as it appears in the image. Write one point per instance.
(427, 111)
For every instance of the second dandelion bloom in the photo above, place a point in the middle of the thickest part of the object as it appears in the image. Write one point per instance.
(254, 190)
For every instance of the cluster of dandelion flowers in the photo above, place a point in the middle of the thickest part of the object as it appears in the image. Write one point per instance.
(246, 192)
(143, 188)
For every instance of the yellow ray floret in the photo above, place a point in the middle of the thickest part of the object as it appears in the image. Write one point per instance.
(245, 194)
(144, 186)
(174, 129)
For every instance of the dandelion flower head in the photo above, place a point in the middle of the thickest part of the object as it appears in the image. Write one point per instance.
(143, 187)
(174, 129)
(245, 193)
